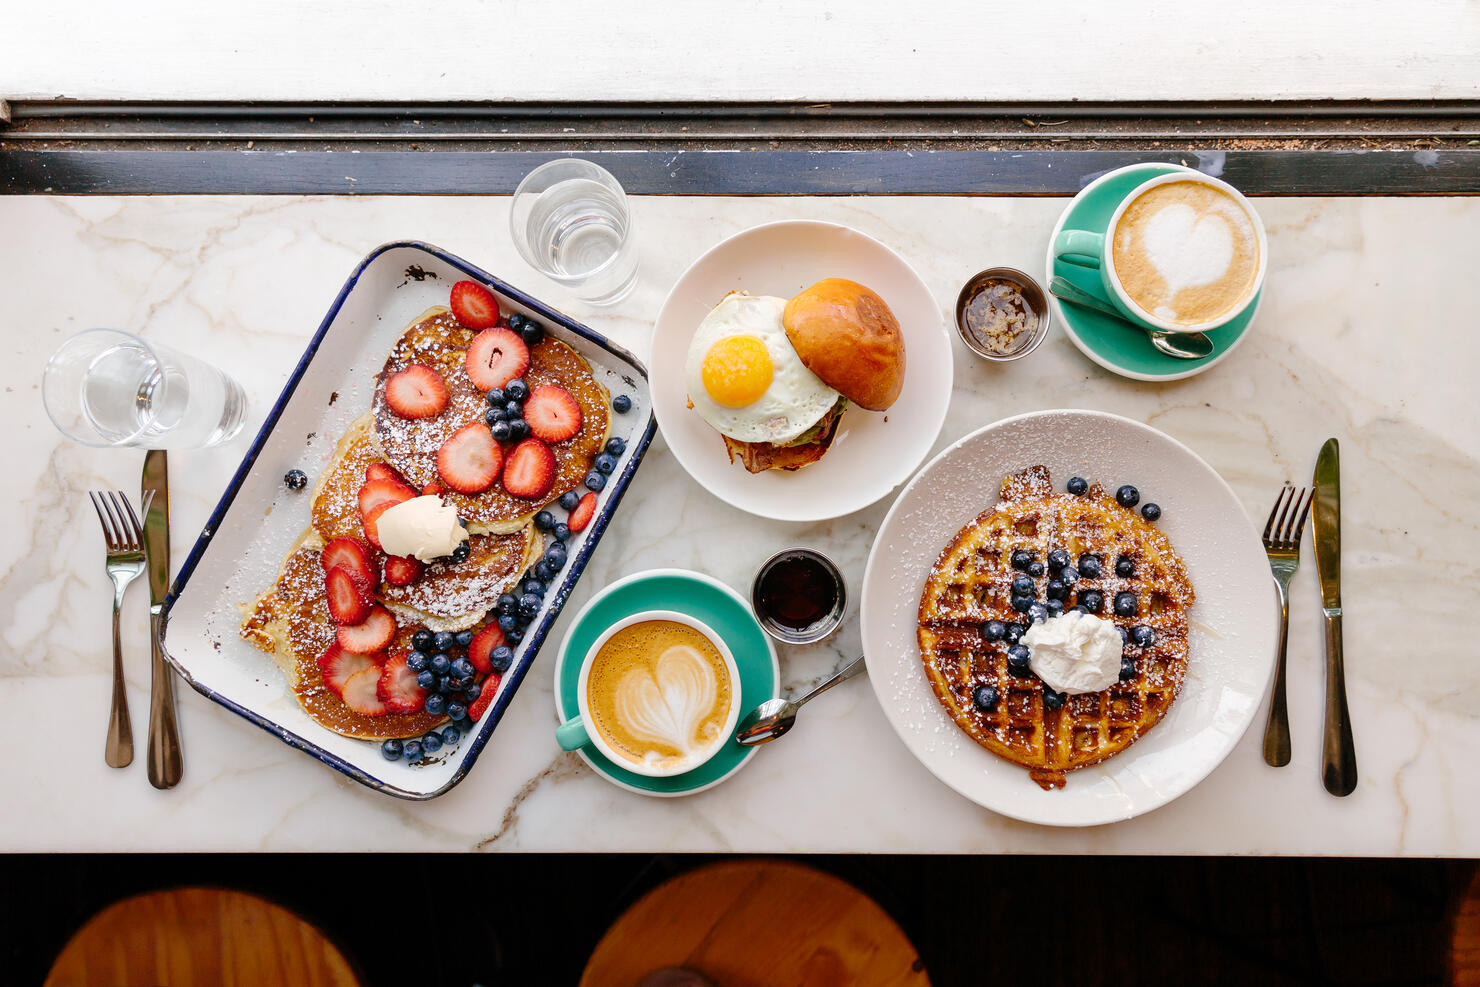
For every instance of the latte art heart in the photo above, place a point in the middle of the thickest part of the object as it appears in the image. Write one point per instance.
(666, 703)
(1187, 249)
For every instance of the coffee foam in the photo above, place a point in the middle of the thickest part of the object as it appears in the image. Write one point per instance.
(659, 693)
(1186, 252)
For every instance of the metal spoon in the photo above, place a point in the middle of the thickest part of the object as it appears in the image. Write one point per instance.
(1182, 345)
(774, 717)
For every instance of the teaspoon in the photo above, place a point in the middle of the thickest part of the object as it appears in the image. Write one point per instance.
(1182, 345)
(774, 717)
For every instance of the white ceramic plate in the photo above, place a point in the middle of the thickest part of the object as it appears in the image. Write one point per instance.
(1231, 644)
(872, 453)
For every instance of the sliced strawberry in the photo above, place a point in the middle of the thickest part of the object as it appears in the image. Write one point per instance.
(338, 665)
(418, 391)
(495, 357)
(397, 687)
(483, 644)
(382, 491)
(584, 511)
(529, 471)
(474, 305)
(489, 689)
(552, 413)
(371, 524)
(433, 489)
(383, 471)
(362, 693)
(469, 460)
(369, 635)
(348, 603)
(355, 557)
(402, 570)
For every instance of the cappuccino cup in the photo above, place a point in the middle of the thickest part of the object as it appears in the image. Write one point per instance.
(1183, 252)
(657, 694)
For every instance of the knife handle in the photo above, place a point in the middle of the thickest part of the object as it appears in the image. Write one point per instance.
(1338, 753)
(165, 764)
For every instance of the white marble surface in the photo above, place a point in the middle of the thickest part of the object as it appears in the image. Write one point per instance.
(1368, 334)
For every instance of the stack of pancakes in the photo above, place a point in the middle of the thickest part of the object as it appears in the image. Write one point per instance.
(290, 620)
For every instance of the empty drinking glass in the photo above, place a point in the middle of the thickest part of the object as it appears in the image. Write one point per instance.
(570, 221)
(106, 387)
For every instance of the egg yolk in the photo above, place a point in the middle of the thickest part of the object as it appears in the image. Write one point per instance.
(737, 370)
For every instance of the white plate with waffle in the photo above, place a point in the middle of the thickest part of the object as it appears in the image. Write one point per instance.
(1232, 627)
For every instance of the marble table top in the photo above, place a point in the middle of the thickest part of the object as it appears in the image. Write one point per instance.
(1368, 334)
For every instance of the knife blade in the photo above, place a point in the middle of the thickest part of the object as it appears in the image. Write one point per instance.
(165, 763)
(1338, 753)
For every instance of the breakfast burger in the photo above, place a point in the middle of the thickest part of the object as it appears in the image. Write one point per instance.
(774, 375)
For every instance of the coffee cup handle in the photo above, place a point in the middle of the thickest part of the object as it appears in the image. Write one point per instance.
(571, 735)
(1081, 248)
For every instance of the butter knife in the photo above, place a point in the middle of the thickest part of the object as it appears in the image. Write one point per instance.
(165, 764)
(1338, 754)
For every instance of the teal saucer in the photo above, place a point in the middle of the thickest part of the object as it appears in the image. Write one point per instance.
(704, 598)
(1109, 342)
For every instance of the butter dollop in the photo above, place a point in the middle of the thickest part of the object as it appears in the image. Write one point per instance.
(423, 527)
(1075, 653)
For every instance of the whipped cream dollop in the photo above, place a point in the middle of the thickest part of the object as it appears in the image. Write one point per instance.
(423, 527)
(1074, 653)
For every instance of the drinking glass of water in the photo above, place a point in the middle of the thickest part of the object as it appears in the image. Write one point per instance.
(106, 387)
(570, 222)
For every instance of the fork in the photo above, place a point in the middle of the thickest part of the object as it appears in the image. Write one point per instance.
(1282, 544)
(126, 560)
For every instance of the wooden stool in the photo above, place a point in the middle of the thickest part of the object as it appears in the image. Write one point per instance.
(757, 923)
(191, 937)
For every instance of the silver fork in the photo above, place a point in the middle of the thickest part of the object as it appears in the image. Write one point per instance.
(126, 560)
(1282, 545)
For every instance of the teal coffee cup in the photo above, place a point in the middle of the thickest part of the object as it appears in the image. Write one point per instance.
(1183, 252)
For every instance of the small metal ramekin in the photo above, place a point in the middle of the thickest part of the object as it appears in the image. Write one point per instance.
(1032, 293)
(824, 626)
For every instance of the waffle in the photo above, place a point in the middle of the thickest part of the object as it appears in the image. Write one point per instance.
(970, 585)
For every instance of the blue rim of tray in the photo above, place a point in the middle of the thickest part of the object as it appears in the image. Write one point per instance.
(534, 640)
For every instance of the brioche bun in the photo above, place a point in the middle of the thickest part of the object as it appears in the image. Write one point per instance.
(846, 335)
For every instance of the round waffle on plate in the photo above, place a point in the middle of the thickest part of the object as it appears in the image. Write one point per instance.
(971, 584)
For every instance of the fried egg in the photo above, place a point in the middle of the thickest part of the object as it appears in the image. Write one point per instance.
(745, 379)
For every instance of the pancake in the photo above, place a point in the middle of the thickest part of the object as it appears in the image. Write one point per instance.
(336, 510)
(452, 596)
(439, 341)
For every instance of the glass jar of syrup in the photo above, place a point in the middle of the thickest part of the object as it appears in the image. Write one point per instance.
(799, 596)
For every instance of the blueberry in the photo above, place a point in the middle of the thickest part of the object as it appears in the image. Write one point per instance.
(295, 479)
(1078, 486)
(616, 446)
(443, 641)
(1125, 604)
(555, 561)
(411, 750)
(436, 704)
(532, 332)
(516, 321)
(595, 481)
(1069, 576)
(496, 397)
(543, 571)
(1091, 600)
(463, 638)
(1127, 668)
(529, 605)
(993, 630)
(391, 750)
(1076, 609)
(431, 743)
(457, 711)
(501, 658)
(459, 685)
(440, 664)
(605, 463)
(451, 736)
(561, 531)
(1057, 559)
(514, 636)
(1089, 566)
(422, 640)
(462, 521)
(1014, 633)
(621, 404)
(463, 669)
(1127, 496)
(462, 551)
(427, 679)
(473, 691)
(1020, 558)
(1151, 512)
(570, 499)
(506, 621)
(1052, 699)
(985, 698)
(1056, 590)
(1143, 635)
(417, 661)
(501, 430)
(544, 520)
(1125, 567)
(1035, 569)
(1124, 635)
(534, 586)
(1037, 613)
(518, 430)
(1018, 657)
(493, 418)
(447, 685)
(516, 389)
(1022, 603)
(1055, 608)
(1022, 586)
